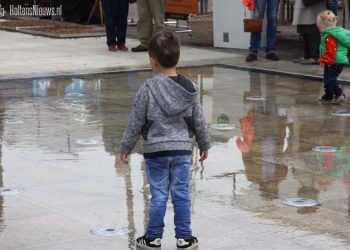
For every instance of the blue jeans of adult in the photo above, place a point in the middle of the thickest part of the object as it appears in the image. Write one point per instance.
(169, 174)
(271, 9)
(330, 77)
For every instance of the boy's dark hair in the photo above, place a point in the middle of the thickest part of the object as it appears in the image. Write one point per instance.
(164, 46)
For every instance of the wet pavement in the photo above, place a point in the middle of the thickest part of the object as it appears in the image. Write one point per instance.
(59, 154)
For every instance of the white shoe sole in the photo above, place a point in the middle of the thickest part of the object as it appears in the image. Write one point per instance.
(146, 247)
(189, 248)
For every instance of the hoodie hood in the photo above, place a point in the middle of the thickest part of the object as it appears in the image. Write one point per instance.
(170, 96)
(340, 34)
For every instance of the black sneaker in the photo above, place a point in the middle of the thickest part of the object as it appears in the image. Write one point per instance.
(325, 99)
(143, 243)
(338, 99)
(187, 244)
(139, 48)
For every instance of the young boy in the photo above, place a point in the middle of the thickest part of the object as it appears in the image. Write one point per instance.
(335, 42)
(167, 113)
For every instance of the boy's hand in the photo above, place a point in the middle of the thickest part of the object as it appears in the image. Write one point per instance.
(204, 155)
(322, 64)
(124, 158)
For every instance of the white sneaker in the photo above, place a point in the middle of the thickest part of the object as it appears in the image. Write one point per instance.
(143, 243)
(339, 99)
(187, 244)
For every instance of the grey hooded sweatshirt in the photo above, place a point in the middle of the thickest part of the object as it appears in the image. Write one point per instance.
(167, 116)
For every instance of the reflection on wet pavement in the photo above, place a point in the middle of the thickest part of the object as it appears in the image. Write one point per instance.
(59, 141)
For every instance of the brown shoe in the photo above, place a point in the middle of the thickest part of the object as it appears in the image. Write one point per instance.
(122, 47)
(272, 57)
(112, 48)
(251, 58)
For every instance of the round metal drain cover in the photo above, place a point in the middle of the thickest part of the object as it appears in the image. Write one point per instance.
(341, 113)
(222, 126)
(325, 149)
(13, 122)
(110, 231)
(10, 190)
(299, 202)
(255, 98)
(87, 142)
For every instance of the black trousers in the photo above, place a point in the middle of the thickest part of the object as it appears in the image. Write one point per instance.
(312, 39)
(116, 18)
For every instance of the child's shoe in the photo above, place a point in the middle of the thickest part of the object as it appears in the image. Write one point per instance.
(187, 244)
(143, 243)
(325, 99)
(338, 99)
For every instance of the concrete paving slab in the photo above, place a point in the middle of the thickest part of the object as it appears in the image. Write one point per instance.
(31, 56)
(39, 229)
(45, 57)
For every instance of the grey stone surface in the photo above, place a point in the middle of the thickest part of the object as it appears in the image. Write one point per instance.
(70, 189)
(30, 56)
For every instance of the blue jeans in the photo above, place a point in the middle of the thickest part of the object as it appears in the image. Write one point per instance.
(271, 8)
(169, 174)
(330, 77)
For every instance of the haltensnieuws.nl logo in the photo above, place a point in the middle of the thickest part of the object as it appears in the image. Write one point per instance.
(2, 11)
(34, 10)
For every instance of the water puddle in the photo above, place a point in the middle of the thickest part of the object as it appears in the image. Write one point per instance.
(4, 191)
(265, 131)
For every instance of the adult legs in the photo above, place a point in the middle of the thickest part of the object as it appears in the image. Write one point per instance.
(158, 12)
(145, 23)
(255, 38)
(271, 12)
(122, 20)
(110, 10)
(305, 38)
(314, 40)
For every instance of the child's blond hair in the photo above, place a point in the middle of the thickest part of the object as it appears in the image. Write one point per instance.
(327, 19)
